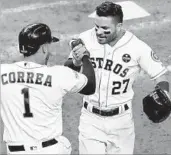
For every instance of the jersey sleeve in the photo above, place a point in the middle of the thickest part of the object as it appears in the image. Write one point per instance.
(150, 62)
(72, 81)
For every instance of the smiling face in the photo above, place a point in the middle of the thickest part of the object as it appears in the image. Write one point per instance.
(108, 22)
(106, 29)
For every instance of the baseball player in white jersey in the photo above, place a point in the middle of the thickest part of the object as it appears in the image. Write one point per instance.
(32, 93)
(106, 122)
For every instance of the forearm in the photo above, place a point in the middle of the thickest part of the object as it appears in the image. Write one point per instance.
(162, 82)
(88, 71)
(69, 63)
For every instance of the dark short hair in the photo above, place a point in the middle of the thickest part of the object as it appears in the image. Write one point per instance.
(110, 9)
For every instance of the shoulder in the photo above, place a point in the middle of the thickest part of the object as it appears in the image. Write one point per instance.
(134, 46)
(59, 70)
(7, 67)
(64, 73)
(137, 46)
(138, 43)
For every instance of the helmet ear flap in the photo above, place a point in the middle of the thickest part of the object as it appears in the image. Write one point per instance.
(27, 50)
(33, 36)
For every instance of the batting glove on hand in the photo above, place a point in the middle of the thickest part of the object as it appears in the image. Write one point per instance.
(78, 51)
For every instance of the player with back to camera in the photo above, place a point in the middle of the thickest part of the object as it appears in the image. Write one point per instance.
(106, 122)
(32, 93)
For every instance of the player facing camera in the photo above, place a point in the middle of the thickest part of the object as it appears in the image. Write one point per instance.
(117, 56)
(108, 22)
(34, 40)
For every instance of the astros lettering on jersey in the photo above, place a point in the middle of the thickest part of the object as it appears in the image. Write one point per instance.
(116, 67)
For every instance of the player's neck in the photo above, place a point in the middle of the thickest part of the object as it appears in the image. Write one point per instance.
(32, 59)
(38, 58)
(117, 38)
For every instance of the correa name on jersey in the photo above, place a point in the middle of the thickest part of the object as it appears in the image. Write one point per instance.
(27, 77)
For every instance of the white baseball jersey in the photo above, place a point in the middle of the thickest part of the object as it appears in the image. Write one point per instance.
(31, 96)
(116, 67)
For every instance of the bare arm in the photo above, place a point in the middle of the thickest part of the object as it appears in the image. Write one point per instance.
(162, 82)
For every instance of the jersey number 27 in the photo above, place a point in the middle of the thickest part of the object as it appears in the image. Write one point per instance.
(117, 85)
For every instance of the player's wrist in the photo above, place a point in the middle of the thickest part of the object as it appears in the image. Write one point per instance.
(163, 85)
(85, 57)
(77, 63)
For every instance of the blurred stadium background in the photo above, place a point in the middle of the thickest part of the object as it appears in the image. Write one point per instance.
(70, 17)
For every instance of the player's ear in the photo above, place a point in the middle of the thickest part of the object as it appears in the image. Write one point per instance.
(44, 48)
(119, 27)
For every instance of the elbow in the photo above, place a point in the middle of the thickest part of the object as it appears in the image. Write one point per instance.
(92, 85)
(91, 89)
(88, 89)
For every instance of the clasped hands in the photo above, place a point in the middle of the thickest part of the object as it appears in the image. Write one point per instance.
(78, 51)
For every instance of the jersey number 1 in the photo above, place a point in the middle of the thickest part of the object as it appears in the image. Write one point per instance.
(27, 113)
